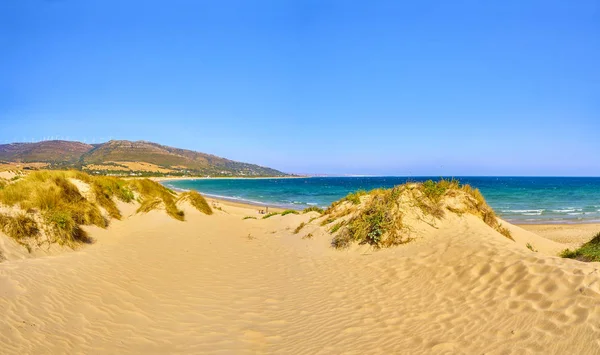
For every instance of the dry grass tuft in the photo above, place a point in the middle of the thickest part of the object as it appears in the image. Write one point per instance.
(313, 209)
(150, 191)
(299, 228)
(198, 201)
(19, 227)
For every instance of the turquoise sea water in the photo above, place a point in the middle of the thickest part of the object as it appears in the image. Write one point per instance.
(516, 199)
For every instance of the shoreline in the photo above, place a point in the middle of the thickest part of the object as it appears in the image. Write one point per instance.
(176, 178)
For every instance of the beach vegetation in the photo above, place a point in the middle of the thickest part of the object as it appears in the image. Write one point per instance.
(299, 228)
(378, 224)
(19, 226)
(197, 201)
(588, 252)
(248, 217)
(336, 227)
(56, 207)
(308, 236)
(328, 220)
(378, 220)
(530, 247)
(354, 197)
(313, 209)
(286, 212)
(270, 215)
(154, 195)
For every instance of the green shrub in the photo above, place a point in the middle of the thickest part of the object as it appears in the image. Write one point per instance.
(354, 197)
(248, 217)
(286, 212)
(378, 224)
(588, 252)
(313, 209)
(270, 215)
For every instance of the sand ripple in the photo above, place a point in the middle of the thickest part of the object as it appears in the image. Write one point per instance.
(156, 285)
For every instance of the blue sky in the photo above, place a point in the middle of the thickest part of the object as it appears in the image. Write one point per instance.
(370, 87)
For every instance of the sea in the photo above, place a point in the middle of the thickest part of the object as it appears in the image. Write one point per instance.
(533, 200)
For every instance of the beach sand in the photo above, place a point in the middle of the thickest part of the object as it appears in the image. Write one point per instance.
(221, 284)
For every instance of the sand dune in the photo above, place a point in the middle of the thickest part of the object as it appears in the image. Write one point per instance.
(220, 284)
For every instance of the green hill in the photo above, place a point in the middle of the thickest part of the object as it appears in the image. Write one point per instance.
(122, 157)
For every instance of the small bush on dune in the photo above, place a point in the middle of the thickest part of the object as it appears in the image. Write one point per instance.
(313, 209)
(270, 215)
(197, 200)
(588, 252)
(354, 197)
(248, 217)
(379, 224)
(286, 212)
(19, 226)
(65, 229)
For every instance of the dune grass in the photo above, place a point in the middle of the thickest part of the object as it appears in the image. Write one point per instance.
(379, 224)
(588, 252)
(336, 227)
(354, 197)
(313, 209)
(197, 200)
(299, 228)
(378, 221)
(58, 201)
(286, 212)
(62, 209)
(153, 195)
(248, 217)
(270, 215)
(19, 226)
(434, 191)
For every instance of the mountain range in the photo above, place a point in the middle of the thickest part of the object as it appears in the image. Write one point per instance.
(121, 157)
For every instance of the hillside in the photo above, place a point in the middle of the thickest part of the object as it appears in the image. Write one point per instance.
(127, 157)
(44, 152)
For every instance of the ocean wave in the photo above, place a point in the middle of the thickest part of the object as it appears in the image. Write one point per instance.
(532, 214)
(240, 199)
(575, 213)
(524, 211)
(565, 210)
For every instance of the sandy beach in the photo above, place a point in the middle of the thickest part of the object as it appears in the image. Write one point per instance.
(224, 284)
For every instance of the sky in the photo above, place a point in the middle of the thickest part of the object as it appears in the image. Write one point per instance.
(340, 87)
